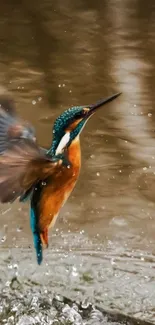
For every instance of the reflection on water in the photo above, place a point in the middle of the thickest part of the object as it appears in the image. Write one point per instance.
(55, 55)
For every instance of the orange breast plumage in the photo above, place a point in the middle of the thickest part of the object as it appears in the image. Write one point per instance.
(58, 188)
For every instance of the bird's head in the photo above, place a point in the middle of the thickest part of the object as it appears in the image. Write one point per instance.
(70, 123)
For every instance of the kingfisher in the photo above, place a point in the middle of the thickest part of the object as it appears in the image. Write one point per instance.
(45, 177)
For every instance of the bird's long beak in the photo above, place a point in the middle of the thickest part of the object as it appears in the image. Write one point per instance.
(92, 108)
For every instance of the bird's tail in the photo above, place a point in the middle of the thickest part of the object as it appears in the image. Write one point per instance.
(40, 238)
(36, 237)
(38, 247)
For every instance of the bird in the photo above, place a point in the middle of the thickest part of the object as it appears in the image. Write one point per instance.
(45, 177)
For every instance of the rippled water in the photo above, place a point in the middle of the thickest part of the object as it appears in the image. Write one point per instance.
(53, 56)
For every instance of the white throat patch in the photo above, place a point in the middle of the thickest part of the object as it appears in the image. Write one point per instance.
(63, 142)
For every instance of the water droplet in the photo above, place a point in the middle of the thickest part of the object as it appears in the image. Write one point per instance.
(149, 114)
(19, 229)
(3, 239)
(4, 212)
(98, 174)
(74, 271)
(113, 261)
(34, 102)
(7, 283)
(39, 99)
(144, 168)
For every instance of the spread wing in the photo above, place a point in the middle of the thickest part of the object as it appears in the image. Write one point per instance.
(22, 165)
(11, 127)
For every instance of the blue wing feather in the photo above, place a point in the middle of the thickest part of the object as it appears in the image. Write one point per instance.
(36, 236)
